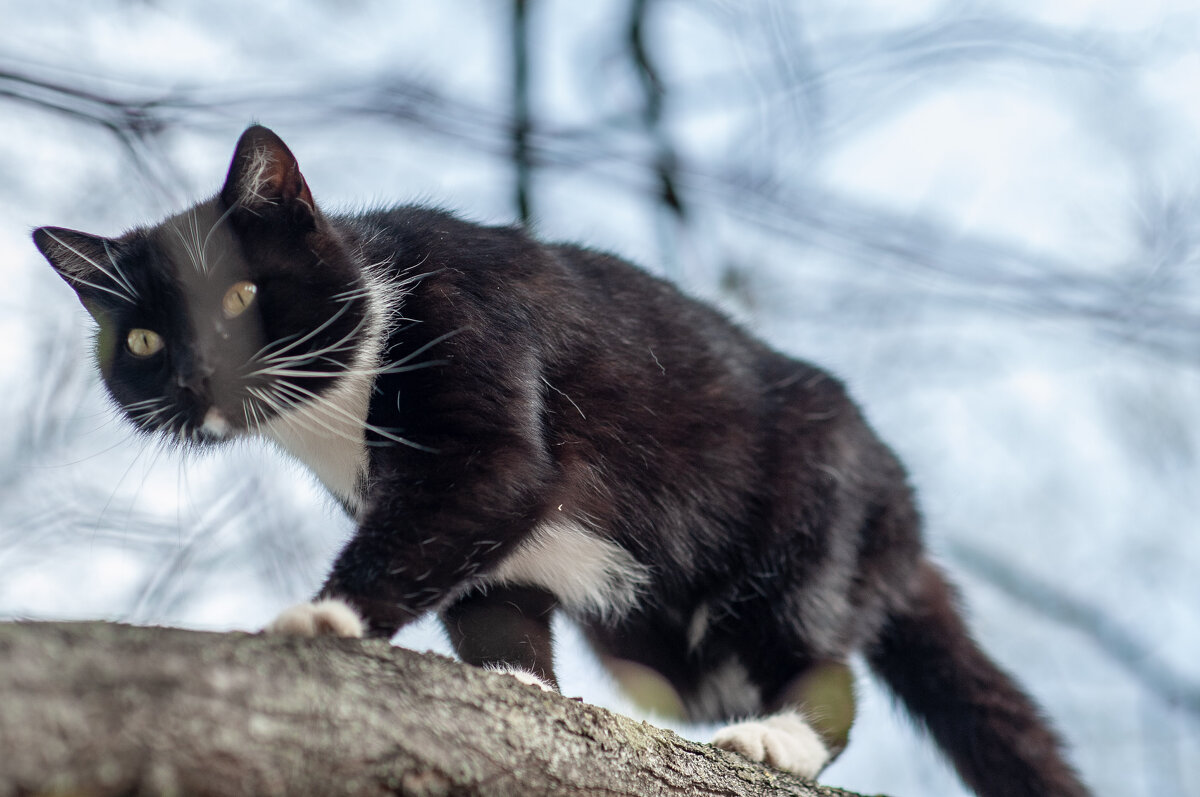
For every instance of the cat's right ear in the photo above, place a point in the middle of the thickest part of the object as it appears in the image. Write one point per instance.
(87, 263)
(265, 178)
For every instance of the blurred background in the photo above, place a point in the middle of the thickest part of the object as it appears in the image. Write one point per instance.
(985, 217)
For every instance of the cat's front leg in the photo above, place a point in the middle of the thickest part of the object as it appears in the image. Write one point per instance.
(358, 598)
(411, 557)
(324, 617)
(368, 593)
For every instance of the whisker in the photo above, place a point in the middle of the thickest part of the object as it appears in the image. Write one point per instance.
(194, 226)
(420, 351)
(277, 359)
(220, 220)
(144, 402)
(194, 229)
(316, 402)
(311, 334)
(120, 277)
(394, 368)
(301, 416)
(187, 246)
(260, 352)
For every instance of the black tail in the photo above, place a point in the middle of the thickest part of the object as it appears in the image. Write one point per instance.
(997, 738)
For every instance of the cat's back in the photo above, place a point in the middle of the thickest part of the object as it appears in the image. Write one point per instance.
(563, 291)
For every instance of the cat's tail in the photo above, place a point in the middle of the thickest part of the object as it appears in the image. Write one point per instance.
(997, 738)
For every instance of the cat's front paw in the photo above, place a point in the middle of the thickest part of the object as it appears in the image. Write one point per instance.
(785, 741)
(329, 617)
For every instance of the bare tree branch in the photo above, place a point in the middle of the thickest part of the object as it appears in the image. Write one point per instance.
(101, 709)
(522, 118)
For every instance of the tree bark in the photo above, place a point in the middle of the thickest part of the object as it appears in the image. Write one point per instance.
(101, 709)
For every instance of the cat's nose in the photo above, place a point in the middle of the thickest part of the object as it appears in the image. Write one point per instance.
(195, 379)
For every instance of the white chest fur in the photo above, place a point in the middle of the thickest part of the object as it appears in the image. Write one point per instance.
(589, 575)
(328, 432)
(328, 435)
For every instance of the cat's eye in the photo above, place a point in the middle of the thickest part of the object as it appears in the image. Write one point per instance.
(143, 342)
(239, 296)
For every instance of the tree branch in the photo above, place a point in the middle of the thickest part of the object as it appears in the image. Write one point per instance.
(103, 709)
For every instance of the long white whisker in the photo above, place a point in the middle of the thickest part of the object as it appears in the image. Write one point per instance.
(187, 246)
(345, 343)
(119, 276)
(282, 403)
(311, 334)
(389, 369)
(146, 414)
(261, 351)
(353, 293)
(194, 229)
(439, 339)
(91, 284)
(144, 402)
(250, 412)
(276, 359)
(260, 413)
(316, 402)
(220, 220)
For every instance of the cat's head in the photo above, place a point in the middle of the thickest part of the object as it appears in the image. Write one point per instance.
(222, 318)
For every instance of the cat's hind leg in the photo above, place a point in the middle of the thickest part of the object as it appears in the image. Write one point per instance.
(505, 628)
(809, 727)
(785, 741)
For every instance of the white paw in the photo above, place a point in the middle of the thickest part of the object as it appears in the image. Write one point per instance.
(524, 676)
(329, 617)
(785, 741)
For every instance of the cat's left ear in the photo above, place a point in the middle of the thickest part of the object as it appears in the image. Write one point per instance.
(264, 177)
(87, 263)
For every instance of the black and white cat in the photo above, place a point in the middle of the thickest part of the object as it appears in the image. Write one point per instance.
(520, 427)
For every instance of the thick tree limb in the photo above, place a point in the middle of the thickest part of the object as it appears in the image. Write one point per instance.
(101, 709)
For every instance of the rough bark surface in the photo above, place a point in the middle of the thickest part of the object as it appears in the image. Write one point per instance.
(102, 709)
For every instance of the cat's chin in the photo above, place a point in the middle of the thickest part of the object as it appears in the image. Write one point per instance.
(216, 426)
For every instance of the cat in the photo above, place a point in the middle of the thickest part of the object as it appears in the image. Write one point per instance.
(520, 428)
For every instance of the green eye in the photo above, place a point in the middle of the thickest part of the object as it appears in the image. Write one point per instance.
(143, 342)
(239, 296)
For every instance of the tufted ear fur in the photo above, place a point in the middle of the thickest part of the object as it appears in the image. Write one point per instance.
(265, 178)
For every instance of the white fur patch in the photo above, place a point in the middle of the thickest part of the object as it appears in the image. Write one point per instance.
(785, 741)
(215, 424)
(330, 617)
(254, 181)
(589, 575)
(328, 434)
(524, 676)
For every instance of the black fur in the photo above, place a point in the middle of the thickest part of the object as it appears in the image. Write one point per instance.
(546, 384)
